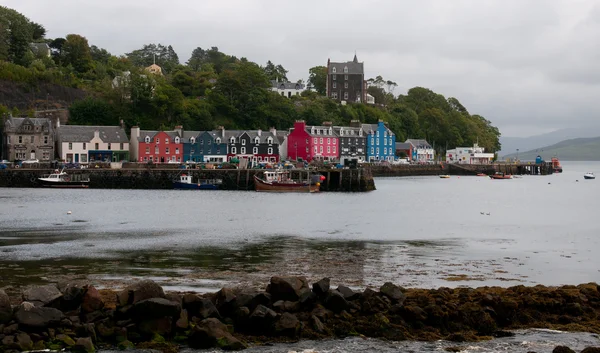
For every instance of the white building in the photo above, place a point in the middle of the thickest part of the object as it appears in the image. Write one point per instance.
(287, 89)
(85, 144)
(469, 155)
(370, 99)
(421, 151)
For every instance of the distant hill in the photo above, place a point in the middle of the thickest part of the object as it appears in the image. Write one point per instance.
(510, 144)
(579, 149)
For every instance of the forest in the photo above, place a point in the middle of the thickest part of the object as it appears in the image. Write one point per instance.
(213, 89)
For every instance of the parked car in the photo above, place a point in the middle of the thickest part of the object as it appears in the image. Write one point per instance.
(72, 166)
(30, 161)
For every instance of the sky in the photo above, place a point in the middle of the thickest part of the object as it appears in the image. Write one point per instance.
(529, 66)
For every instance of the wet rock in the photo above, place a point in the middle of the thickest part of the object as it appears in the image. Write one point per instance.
(183, 322)
(87, 330)
(307, 300)
(72, 297)
(562, 349)
(591, 350)
(262, 319)
(316, 324)
(174, 297)
(66, 340)
(251, 300)
(24, 342)
(335, 301)
(47, 295)
(211, 333)
(162, 326)
(125, 345)
(6, 310)
(224, 300)
(84, 345)
(154, 308)
(284, 305)
(413, 313)
(321, 287)
(287, 288)
(348, 293)
(92, 301)
(393, 292)
(9, 342)
(322, 313)
(140, 291)
(34, 317)
(200, 307)
(105, 330)
(287, 325)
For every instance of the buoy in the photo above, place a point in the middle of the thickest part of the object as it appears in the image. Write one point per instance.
(69, 212)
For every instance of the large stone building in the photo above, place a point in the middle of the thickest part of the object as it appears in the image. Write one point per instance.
(346, 81)
(28, 139)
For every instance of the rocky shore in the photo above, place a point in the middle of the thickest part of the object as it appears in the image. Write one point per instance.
(84, 319)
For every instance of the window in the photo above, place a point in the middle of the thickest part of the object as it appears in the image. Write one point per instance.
(390, 150)
(328, 149)
(306, 149)
(346, 78)
(232, 140)
(145, 159)
(109, 146)
(233, 150)
(192, 140)
(243, 150)
(334, 141)
(329, 141)
(334, 77)
(307, 141)
(372, 140)
(97, 146)
(334, 149)
(334, 95)
(70, 146)
(32, 139)
(257, 140)
(316, 149)
(176, 150)
(345, 84)
(147, 139)
(243, 142)
(84, 146)
(20, 139)
(147, 150)
(269, 140)
(345, 95)
(321, 140)
(121, 146)
(390, 141)
(167, 140)
(335, 85)
(83, 158)
(334, 70)
(377, 150)
(176, 139)
(156, 151)
(377, 134)
(157, 140)
(372, 150)
(255, 150)
(270, 150)
(321, 149)
(377, 141)
(385, 142)
(167, 150)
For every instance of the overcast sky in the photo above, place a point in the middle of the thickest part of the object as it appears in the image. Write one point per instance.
(529, 66)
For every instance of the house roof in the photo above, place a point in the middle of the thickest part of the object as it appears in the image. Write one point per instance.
(16, 122)
(308, 129)
(286, 85)
(84, 133)
(354, 67)
(403, 146)
(187, 135)
(373, 127)
(419, 143)
(151, 134)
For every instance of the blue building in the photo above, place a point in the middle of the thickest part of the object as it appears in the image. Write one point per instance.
(381, 142)
(203, 146)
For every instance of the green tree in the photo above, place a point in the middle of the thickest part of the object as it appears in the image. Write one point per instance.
(76, 52)
(317, 79)
(16, 32)
(275, 72)
(100, 55)
(92, 111)
(163, 56)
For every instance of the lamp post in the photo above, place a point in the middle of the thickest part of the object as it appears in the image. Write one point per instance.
(296, 147)
(517, 154)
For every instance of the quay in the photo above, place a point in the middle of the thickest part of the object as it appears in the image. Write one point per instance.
(338, 180)
(405, 170)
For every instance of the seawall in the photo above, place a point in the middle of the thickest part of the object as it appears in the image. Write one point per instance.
(459, 169)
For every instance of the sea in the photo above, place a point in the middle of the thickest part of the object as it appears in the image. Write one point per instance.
(423, 232)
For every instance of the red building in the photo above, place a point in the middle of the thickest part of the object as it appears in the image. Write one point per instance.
(159, 147)
(313, 142)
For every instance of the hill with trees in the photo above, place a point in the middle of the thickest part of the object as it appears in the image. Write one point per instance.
(211, 89)
(579, 149)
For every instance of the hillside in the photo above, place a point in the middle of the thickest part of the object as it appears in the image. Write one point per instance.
(579, 149)
(510, 144)
(41, 96)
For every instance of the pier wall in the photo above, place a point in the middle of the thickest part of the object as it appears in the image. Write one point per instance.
(459, 169)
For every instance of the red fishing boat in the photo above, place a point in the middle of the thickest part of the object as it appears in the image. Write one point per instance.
(500, 175)
(556, 167)
(280, 181)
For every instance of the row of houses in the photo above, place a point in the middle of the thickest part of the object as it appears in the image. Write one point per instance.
(45, 139)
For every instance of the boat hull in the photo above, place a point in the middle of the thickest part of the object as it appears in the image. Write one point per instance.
(64, 184)
(589, 177)
(263, 186)
(186, 186)
(498, 177)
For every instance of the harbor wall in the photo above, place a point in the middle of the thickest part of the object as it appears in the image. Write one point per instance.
(460, 169)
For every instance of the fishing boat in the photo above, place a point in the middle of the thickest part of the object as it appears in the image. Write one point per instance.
(60, 179)
(589, 175)
(445, 176)
(281, 181)
(500, 175)
(556, 167)
(186, 182)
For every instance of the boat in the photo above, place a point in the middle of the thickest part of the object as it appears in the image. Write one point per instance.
(445, 176)
(186, 182)
(481, 175)
(60, 179)
(280, 181)
(500, 175)
(589, 175)
(556, 167)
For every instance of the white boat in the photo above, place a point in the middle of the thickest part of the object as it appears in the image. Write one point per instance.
(589, 175)
(60, 179)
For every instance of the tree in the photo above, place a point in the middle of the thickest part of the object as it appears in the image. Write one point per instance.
(76, 52)
(92, 111)
(317, 79)
(16, 32)
(163, 56)
(99, 54)
(275, 72)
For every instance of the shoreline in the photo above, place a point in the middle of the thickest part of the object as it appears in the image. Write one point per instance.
(82, 318)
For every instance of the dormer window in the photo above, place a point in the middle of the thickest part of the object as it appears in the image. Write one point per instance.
(218, 140)
(385, 134)
(330, 131)
(257, 139)
(318, 132)
(345, 69)
(269, 140)
(147, 139)
(334, 70)
(312, 130)
(232, 140)
(176, 139)
(359, 132)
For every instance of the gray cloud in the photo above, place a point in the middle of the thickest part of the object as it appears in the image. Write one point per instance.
(528, 66)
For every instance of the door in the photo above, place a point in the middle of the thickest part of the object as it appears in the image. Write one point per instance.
(76, 157)
(32, 155)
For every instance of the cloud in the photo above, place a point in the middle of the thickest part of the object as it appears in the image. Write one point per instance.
(528, 66)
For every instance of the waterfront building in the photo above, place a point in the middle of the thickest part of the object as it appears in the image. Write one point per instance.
(353, 142)
(28, 139)
(313, 142)
(469, 155)
(253, 145)
(156, 146)
(287, 89)
(404, 150)
(381, 142)
(422, 151)
(211, 146)
(86, 144)
(346, 81)
(282, 140)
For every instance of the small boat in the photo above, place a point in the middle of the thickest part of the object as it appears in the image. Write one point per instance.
(60, 179)
(280, 181)
(482, 174)
(556, 167)
(589, 175)
(186, 182)
(445, 176)
(500, 175)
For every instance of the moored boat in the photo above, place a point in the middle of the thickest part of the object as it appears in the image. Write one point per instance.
(445, 176)
(280, 181)
(500, 175)
(186, 182)
(589, 176)
(481, 175)
(60, 179)
(556, 167)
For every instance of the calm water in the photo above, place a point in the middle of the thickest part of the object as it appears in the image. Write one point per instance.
(417, 232)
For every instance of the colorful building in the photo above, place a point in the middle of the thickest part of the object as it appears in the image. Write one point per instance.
(156, 146)
(469, 155)
(381, 142)
(422, 151)
(353, 143)
(211, 146)
(87, 144)
(313, 142)
(253, 145)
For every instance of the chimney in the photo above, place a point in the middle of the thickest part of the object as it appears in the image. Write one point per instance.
(259, 132)
(96, 134)
(355, 123)
(327, 123)
(222, 128)
(299, 125)
(273, 130)
(122, 124)
(179, 130)
(135, 131)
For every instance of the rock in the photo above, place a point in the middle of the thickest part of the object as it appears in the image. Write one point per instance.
(200, 307)
(47, 295)
(335, 302)
(591, 350)
(174, 297)
(317, 325)
(6, 311)
(307, 300)
(9, 342)
(562, 349)
(347, 293)
(87, 330)
(251, 300)
(393, 292)
(262, 319)
(68, 341)
(72, 297)
(287, 288)
(125, 345)
(241, 315)
(24, 342)
(323, 314)
(321, 287)
(413, 313)
(84, 345)
(284, 305)
(92, 301)
(34, 317)
(211, 333)
(288, 325)
(140, 291)
(161, 326)
(183, 322)
(154, 308)
(105, 330)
